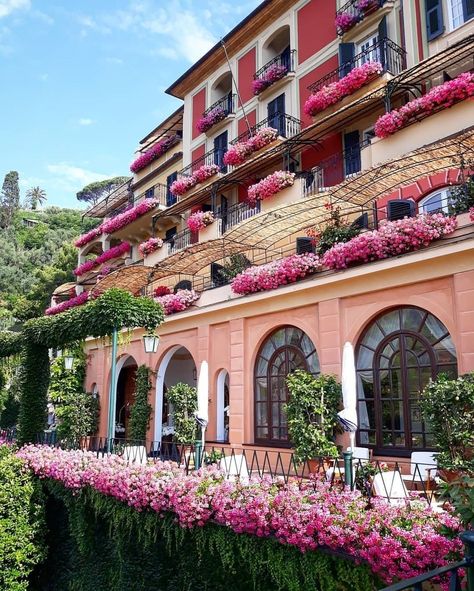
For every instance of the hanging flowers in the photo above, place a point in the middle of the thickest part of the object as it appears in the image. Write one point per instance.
(346, 20)
(336, 91)
(270, 185)
(72, 303)
(112, 253)
(149, 246)
(153, 153)
(238, 153)
(269, 77)
(207, 121)
(199, 220)
(440, 97)
(129, 216)
(177, 302)
(88, 237)
(161, 290)
(202, 174)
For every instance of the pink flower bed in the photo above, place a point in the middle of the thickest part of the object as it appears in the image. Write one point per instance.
(88, 237)
(269, 77)
(269, 186)
(440, 97)
(207, 121)
(68, 304)
(391, 239)
(238, 153)
(345, 21)
(153, 153)
(112, 253)
(149, 246)
(336, 91)
(199, 220)
(184, 184)
(177, 302)
(275, 274)
(396, 542)
(129, 216)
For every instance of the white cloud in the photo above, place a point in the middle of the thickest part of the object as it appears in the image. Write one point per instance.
(9, 6)
(167, 52)
(84, 121)
(72, 178)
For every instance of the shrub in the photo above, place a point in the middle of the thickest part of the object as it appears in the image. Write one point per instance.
(140, 412)
(336, 231)
(184, 400)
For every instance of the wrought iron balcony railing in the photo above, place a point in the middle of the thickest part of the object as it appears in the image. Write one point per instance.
(389, 54)
(181, 240)
(227, 103)
(286, 125)
(215, 156)
(158, 192)
(286, 59)
(237, 213)
(353, 13)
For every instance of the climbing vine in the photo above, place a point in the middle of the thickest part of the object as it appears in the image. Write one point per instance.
(141, 409)
(184, 400)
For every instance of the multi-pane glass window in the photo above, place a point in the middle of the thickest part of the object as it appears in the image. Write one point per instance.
(284, 351)
(396, 357)
(437, 202)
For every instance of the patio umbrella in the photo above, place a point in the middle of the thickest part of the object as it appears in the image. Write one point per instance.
(348, 416)
(202, 413)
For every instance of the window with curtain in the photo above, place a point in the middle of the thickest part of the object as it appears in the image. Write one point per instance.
(396, 357)
(285, 350)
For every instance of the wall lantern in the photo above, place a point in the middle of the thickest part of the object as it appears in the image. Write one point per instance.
(150, 342)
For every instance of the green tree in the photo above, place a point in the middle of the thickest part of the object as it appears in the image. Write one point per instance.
(184, 400)
(35, 196)
(141, 409)
(94, 192)
(9, 198)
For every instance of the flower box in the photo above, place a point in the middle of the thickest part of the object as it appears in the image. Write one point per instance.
(219, 125)
(156, 257)
(269, 186)
(275, 86)
(285, 196)
(210, 232)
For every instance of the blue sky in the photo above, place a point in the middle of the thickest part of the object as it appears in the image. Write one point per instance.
(82, 81)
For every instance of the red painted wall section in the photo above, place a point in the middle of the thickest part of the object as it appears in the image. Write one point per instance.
(199, 106)
(332, 146)
(242, 123)
(314, 76)
(247, 67)
(198, 153)
(316, 27)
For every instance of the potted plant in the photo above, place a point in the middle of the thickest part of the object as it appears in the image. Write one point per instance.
(312, 417)
(336, 230)
(448, 409)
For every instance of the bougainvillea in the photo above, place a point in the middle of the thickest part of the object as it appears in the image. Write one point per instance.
(112, 253)
(199, 220)
(276, 273)
(269, 77)
(153, 153)
(346, 20)
(177, 302)
(106, 270)
(129, 216)
(391, 239)
(396, 541)
(239, 152)
(72, 303)
(88, 237)
(336, 91)
(149, 246)
(270, 185)
(207, 121)
(440, 97)
(183, 184)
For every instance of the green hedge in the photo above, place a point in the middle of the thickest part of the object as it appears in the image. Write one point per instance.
(97, 543)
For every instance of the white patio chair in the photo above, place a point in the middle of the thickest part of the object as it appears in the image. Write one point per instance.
(235, 466)
(360, 456)
(135, 454)
(422, 466)
(390, 486)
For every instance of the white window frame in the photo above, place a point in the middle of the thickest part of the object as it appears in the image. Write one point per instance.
(444, 200)
(455, 20)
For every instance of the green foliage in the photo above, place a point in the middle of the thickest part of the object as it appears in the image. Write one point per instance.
(140, 412)
(34, 391)
(312, 414)
(184, 401)
(237, 264)
(77, 411)
(462, 197)
(448, 409)
(337, 229)
(460, 493)
(96, 191)
(35, 196)
(10, 388)
(21, 523)
(10, 343)
(9, 198)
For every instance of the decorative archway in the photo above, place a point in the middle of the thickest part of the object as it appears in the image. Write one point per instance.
(126, 372)
(397, 354)
(222, 406)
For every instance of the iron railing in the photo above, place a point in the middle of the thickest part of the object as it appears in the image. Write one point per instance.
(285, 59)
(214, 156)
(286, 125)
(354, 13)
(231, 216)
(181, 240)
(385, 51)
(226, 103)
(158, 192)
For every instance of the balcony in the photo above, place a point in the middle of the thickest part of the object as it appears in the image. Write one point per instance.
(236, 214)
(286, 125)
(181, 240)
(386, 52)
(354, 11)
(223, 108)
(274, 71)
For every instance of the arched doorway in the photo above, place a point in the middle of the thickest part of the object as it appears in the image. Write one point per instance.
(286, 349)
(222, 407)
(176, 366)
(126, 378)
(397, 355)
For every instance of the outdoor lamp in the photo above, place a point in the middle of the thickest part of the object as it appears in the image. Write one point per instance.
(150, 342)
(68, 362)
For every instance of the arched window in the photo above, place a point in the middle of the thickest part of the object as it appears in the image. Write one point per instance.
(396, 357)
(438, 201)
(285, 350)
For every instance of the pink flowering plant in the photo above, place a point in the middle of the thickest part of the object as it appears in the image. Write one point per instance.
(346, 20)
(276, 273)
(239, 152)
(177, 302)
(88, 237)
(440, 97)
(366, 5)
(153, 153)
(336, 91)
(199, 220)
(208, 121)
(127, 217)
(269, 77)
(185, 183)
(396, 542)
(269, 186)
(471, 214)
(112, 253)
(68, 304)
(391, 239)
(149, 246)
